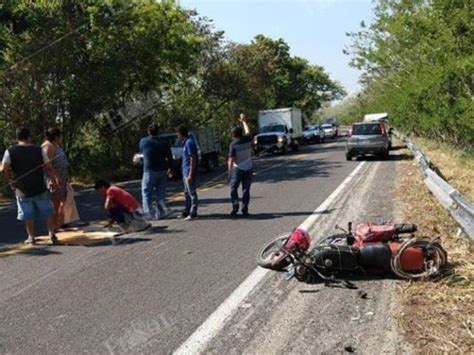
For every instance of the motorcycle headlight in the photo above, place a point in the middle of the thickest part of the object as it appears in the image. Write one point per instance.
(255, 140)
(281, 139)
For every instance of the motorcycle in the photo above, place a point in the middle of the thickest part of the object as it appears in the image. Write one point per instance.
(371, 248)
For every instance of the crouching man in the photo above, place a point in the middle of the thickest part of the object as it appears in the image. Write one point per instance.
(121, 207)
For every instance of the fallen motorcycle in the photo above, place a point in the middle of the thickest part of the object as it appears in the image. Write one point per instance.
(371, 248)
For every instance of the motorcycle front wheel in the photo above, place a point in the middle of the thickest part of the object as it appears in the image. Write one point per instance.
(269, 252)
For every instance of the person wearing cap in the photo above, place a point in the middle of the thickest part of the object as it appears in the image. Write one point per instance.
(239, 166)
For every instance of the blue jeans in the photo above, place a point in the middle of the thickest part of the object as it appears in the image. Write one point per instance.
(34, 208)
(190, 194)
(237, 177)
(153, 182)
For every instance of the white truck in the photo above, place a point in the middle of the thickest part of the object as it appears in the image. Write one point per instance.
(208, 145)
(279, 130)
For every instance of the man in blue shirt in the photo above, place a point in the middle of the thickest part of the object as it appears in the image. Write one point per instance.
(189, 167)
(157, 161)
(239, 167)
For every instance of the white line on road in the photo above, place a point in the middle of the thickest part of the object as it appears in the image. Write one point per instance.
(201, 337)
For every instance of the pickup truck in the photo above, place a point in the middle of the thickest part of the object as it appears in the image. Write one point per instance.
(208, 145)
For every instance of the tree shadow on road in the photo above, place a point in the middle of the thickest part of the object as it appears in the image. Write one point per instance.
(297, 170)
(263, 216)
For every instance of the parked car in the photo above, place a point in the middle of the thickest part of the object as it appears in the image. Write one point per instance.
(332, 121)
(313, 134)
(367, 139)
(330, 130)
(280, 129)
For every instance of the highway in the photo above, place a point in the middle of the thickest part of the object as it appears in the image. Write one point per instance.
(149, 292)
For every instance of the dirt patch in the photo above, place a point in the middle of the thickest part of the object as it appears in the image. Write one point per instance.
(437, 316)
(456, 166)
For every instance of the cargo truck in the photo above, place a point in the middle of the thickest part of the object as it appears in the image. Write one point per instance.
(279, 130)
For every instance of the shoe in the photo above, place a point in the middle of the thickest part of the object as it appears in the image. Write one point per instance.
(53, 240)
(30, 241)
(184, 214)
(245, 212)
(165, 214)
(191, 217)
(235, 210)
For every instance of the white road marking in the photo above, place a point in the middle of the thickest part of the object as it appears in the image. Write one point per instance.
(198, 341)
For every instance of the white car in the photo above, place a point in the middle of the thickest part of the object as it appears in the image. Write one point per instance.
(313, 134)
(329, 130)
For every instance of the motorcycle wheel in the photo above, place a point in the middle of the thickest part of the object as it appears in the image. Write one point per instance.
(266, 253)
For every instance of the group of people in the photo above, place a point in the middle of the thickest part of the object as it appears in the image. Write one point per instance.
(157, 166)
(39, 176)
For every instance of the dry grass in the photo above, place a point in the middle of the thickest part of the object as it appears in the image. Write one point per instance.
(437, 316)
(457, 166)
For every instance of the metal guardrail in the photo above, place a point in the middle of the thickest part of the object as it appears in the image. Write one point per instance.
(458, 206)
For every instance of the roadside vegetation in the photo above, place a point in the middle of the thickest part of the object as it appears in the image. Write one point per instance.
(455, 165)
(82, 65)
(417, 60)
(436, 316)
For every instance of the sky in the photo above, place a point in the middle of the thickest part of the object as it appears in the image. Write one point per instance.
(314, 29)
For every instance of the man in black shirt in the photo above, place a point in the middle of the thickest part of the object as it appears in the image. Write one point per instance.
(157, 162)
(29, 163)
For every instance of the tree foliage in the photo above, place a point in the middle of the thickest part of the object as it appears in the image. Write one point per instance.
(78, 64)
(418, 63)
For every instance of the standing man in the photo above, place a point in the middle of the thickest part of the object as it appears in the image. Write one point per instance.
(157, 162)
(29, 163)
(189, 166)
(239, 166)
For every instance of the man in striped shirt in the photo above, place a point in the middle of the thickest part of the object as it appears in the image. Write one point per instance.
(240, 166)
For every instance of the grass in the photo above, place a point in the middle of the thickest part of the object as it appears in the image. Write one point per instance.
(457, 166)
(438, 315)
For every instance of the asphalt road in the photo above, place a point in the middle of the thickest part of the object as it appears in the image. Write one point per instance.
(149, 292)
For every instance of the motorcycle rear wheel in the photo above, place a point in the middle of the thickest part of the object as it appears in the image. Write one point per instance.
(266, 253)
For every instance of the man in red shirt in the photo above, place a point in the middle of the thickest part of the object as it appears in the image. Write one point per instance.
(122, 207)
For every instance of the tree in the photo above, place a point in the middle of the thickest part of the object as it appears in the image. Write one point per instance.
(418, 61)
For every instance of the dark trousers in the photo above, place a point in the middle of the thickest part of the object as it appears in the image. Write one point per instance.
(237, 177)
(118, 214)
